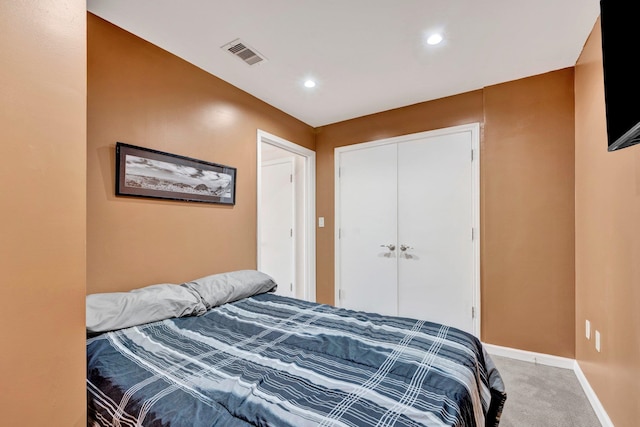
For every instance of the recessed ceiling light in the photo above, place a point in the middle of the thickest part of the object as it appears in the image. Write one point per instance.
(434, 39)
(309, 83)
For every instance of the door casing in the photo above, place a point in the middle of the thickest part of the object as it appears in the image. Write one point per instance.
(309, 156)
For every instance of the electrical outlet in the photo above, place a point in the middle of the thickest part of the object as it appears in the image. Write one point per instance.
(587, 329)
(598, 340)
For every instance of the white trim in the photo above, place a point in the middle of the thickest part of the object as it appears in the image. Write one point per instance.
(530, 356)
(593, 398)
(310, 205)
(475, 189)
(558, 362)
(474, 129)
(336, 229)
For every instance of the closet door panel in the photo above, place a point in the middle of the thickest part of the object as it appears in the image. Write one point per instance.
(435, 218)
(368, 217)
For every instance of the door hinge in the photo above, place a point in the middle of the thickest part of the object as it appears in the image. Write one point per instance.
(340, 294)
(290, 177)
(339, 172)
(473, 233)
(473, 312)
(291, 287)
(291, 232)
(339, 233)
(472, 155)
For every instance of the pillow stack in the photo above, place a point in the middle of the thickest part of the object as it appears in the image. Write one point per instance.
(116, 310)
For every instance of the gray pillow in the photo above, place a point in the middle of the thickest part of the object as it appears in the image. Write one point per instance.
(222, 288)
(115, 310)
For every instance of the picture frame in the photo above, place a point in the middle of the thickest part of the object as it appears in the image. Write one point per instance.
(145, 172)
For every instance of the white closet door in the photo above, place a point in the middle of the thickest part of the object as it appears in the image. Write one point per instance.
(277, 225)
(417, 193)
(367, 218)
(435, 217)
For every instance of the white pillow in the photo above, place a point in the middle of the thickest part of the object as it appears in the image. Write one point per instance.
(116, 310)
(222, 288)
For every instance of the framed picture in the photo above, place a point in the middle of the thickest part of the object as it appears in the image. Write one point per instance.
(144, 172)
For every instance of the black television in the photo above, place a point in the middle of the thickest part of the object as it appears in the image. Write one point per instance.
(620, 43)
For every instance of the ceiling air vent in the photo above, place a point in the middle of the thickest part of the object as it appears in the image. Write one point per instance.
(244, 52)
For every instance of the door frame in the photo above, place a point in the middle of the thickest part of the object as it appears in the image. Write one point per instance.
(309, 229)
(474, 129)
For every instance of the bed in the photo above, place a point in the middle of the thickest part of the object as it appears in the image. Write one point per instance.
(225, 350)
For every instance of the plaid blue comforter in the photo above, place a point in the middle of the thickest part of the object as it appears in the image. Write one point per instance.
(274, 361)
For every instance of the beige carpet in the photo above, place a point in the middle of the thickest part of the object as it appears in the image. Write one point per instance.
(543, 396)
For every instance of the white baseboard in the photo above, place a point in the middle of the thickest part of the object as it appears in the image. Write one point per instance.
(558, 362)
(530, 356)
(593, 398)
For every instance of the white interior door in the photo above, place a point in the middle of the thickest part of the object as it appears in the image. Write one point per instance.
(435, 219)
(368, 214)
(270, 148)
(277, 247)
(418, 193)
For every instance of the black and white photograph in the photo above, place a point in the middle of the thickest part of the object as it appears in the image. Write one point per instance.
(146, 172)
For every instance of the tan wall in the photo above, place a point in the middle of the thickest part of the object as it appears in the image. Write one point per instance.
(42, 232)
(607, 247)
(528, 213)
(527, 255)
(142, 95)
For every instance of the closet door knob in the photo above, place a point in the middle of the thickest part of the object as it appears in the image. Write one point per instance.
(390, 246)
(405, 247)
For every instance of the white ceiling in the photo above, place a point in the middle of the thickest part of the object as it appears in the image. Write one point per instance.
(366, 55)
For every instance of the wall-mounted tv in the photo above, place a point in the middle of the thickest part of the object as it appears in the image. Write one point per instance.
(620, 44)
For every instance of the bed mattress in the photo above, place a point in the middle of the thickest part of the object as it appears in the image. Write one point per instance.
(268, 360)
